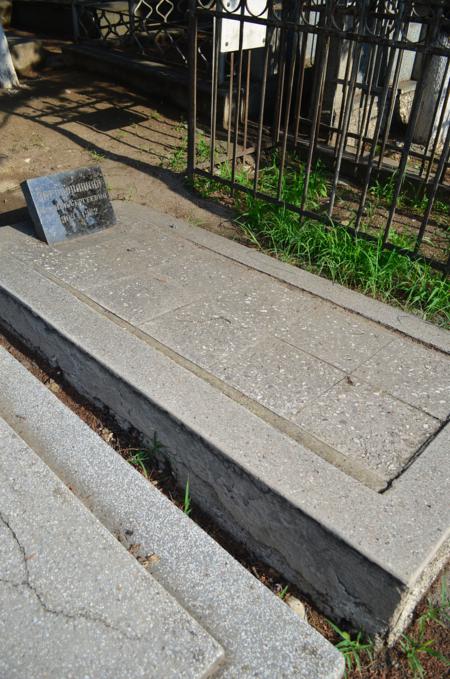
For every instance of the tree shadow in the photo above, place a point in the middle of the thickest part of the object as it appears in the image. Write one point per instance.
(106, 109)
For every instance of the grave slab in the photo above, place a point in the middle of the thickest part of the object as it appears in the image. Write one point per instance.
(289, 501)
(368, 424)
(332, 335)
(73, 602)
(279, 376)
(416, 375)
(219, 325)
(138, 301)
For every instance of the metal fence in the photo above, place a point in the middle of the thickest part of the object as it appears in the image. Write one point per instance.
(154, 29)
(338, 110)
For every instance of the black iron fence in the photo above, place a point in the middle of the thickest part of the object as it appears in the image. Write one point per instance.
(154, 29)
(338, 110)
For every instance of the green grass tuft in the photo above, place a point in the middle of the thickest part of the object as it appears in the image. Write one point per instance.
(331, 251)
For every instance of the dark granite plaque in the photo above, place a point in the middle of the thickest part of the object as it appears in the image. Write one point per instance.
(69, 204)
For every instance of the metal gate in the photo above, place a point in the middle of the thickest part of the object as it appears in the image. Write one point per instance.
(354, 92)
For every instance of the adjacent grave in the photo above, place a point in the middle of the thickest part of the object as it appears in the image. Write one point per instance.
(69, 204)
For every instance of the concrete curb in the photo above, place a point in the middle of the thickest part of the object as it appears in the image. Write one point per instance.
(262, 637)
(74, 602)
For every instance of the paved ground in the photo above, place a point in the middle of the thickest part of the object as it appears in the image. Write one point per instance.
(306, 428)
(82, 605)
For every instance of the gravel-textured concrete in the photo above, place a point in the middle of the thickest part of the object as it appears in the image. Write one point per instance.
(261, 636)
(262, 473)
(73, 602)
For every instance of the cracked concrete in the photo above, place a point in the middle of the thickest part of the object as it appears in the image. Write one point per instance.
(87, 606)
(228, 602)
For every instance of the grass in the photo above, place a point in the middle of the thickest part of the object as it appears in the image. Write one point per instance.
(139, 460)
(331, 251)
(283, 593)
(417, 647)
(187, 507)
(359, 652)
(355, 650)
(96, 156)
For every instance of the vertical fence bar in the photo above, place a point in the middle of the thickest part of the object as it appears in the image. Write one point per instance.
(192, 109)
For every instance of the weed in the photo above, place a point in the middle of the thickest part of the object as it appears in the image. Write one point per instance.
(437, 613)
(155, 115)
(181, 127)
(95, 155)
(384, 190)
(283, 593)
(414, 648)
(187, 508)
(441, 207)
(177, 161)
(139, 460)
(354, 649)
(203, 150)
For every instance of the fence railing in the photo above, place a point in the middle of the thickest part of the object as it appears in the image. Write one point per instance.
(338, 110)
(154, 29)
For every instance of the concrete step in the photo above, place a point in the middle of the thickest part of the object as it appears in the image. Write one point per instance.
(310, 419)
(260, 635)
(73, 601)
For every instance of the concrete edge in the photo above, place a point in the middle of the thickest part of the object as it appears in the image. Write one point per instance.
(122, 598)
(211, 585)
(379, 312)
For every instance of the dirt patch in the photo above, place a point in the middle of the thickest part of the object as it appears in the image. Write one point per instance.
(65, 119)
(388, 663)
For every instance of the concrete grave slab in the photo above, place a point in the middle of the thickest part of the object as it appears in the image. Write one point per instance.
(219, 325)
(73, 602)
(279, 376)
(288, 499)
(139, 300)
(332, 335)
(367, 424)
(416, 375)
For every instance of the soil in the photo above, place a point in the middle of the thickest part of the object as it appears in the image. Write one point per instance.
(62, 119)
(388, 663)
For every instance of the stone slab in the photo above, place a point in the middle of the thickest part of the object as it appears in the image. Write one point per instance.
(391, 317)
(218, 326)
(73, 601)
(416, 375)
(342, 339)
(279, 376)
(222, 596)
(138, 301)
(367, 424)
(68, 204)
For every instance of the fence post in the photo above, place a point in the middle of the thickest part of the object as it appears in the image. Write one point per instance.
(192, 84)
